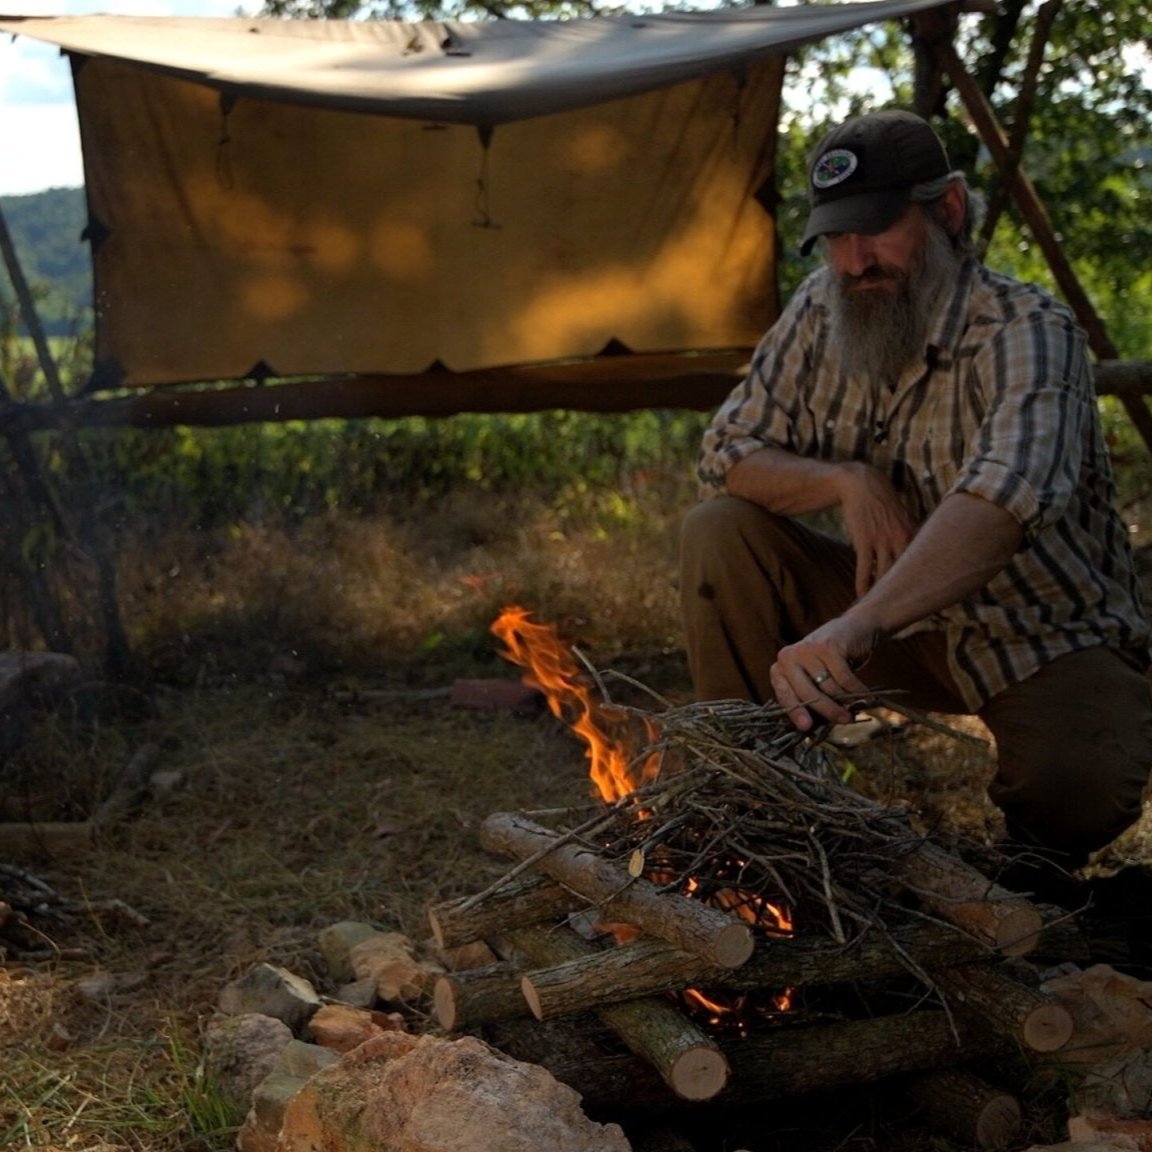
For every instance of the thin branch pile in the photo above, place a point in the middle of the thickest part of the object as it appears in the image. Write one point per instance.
(750, 815)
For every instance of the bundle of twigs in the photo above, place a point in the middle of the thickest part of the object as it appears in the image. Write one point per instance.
(747, 813)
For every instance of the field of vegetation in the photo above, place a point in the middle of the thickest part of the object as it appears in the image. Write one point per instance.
(298, 601)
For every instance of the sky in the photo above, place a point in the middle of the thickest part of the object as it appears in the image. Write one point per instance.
(39, 139)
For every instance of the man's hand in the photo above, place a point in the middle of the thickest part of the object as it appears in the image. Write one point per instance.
(957, 551)
(878, 524)
(808, 674)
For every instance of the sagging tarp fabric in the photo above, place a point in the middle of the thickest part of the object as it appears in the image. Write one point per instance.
(283, 198)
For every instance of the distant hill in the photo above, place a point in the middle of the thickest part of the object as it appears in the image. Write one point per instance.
(46, 229)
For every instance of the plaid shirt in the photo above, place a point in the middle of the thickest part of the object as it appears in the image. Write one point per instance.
(1002, 406)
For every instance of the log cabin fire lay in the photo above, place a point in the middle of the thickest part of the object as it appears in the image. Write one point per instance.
(745, 924)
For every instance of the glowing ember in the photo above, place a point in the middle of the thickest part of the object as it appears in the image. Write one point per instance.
(552, 668)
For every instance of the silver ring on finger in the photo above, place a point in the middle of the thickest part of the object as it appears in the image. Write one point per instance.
(820, 677)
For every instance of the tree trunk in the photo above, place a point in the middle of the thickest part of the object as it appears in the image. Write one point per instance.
(795, 1061)
(476, 996)
(991, 998)
(787, 1062)
(521, 902)
(963, 896)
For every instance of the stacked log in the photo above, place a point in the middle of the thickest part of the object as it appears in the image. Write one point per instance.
(959, 944)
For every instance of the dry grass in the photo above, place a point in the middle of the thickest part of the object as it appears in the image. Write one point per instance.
(296, 807)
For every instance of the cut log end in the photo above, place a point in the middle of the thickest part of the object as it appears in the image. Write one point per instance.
(968, 1109)
(699, 1073)
(733, 945)
(998, 1123)
(1018, 931)
(532, 997)
(1048, 1028)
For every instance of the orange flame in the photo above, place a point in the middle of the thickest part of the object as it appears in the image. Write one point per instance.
(552, 668)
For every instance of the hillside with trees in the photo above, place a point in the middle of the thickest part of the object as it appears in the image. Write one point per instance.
(47, 229)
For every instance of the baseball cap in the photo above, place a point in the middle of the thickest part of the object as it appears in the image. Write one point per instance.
(861, 175)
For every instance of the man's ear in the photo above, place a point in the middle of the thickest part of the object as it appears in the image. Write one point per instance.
(953, 207)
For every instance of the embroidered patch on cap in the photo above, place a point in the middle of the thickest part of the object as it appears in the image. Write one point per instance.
(834, 168)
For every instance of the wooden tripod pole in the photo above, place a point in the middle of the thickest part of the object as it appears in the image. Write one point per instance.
(1033, 211)
(116, 643)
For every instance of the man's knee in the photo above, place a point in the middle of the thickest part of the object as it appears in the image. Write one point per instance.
(728, 549)
(1070, 808)
(1075, 748)
(711, 526)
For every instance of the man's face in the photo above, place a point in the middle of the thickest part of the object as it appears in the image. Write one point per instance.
(882, 262)
(884, 292)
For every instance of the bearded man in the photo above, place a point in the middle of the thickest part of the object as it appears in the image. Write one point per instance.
(948, 414)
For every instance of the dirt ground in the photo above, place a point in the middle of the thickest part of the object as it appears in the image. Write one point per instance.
(293, 798)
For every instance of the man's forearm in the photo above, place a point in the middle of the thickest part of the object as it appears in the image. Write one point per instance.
(874, 516)
(784, 483)
(959, 548)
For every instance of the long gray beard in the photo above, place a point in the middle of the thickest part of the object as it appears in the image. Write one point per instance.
(880, 334)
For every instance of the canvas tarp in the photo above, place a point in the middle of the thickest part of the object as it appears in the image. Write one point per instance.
(280, 198)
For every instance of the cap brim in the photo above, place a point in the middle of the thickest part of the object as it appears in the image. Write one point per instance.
(866, 214)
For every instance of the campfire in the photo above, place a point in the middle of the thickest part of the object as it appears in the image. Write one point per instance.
(715, 901)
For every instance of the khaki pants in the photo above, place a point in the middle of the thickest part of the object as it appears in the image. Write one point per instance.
(1073, 741)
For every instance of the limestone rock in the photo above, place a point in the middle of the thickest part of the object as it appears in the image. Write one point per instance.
(357, 994)
(1111, 1046)
(1101, 1128)
(271, 991)
(1080, 1146)
(336, 944)
(342, 1028)
(297, 1063)
(389, 959)
(240, 1051)
(424, 1094)
(304, 1060)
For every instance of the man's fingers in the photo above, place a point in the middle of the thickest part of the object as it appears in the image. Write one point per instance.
(804, 691)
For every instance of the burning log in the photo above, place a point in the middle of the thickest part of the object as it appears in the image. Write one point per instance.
(727, 801)
(648, 966)
(687, 1059)
(733, 845)
(688, 924)
(531, 900)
